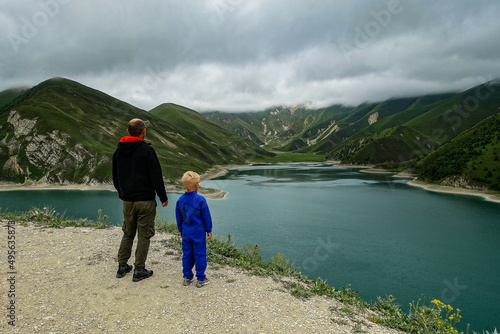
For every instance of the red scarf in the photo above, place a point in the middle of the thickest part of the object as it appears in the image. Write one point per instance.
(129, 138)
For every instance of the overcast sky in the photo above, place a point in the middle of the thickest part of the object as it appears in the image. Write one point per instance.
(236, 55)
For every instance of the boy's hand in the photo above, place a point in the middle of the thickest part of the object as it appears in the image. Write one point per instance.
(209, 234)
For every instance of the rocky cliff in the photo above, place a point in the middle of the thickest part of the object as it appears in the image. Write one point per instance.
(51, 155)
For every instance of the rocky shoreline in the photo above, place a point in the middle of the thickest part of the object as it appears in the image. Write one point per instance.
(213, 172)
(488, 196)
(456, 189)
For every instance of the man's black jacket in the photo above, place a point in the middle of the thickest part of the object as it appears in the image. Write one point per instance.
(136, 171)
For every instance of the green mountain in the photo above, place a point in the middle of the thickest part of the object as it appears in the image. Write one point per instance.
(411, 134)
(396, 133)
(63, 132)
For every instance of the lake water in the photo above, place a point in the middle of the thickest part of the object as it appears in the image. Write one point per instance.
(371, 231)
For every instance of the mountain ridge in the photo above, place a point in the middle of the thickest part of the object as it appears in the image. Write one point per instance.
(61, 131)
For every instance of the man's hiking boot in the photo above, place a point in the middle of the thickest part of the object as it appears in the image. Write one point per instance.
(187, 281)
(199, 284)
(139, 275)
(123, 270)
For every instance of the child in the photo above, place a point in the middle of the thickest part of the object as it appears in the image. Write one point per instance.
(193, 221)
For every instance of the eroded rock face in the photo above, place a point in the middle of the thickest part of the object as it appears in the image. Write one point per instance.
(51, 152)
(22, 126)
(45, 150)
(462, 181)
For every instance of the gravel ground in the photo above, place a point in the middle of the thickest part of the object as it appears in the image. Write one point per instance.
(65, 283)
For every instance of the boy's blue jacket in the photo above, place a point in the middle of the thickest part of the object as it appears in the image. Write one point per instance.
(192, 214)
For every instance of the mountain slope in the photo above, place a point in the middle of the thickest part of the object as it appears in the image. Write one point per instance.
(431, 125)
(278, 127)
(8, 95)
(63, 132)
(469, 160)
(459, 113)
(234, 124)
(389, 139)
(211, 140)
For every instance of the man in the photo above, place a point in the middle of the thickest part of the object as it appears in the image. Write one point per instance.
(138, 179)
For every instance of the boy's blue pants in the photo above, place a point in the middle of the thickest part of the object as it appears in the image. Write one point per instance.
(194, 251)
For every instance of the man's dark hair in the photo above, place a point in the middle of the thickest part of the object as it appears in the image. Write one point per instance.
(135, 127)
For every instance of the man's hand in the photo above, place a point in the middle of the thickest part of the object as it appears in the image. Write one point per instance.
(180, 234)
(164, 204)
(209, 234)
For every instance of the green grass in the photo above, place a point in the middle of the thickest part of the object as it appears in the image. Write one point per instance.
(47, 216)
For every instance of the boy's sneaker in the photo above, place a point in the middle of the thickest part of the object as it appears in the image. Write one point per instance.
(139, 275)
(199, 284)
(123, 270)
(187, 281)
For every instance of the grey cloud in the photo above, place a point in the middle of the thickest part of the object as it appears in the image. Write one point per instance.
(241, 55)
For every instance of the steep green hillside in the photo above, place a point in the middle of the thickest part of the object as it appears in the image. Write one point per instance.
(428, 122)
(63, 132)
(233, 123)
(211, 140)
(8, 95)
(280, 128)
(459, 113)
(388, 139)
(421, 105)
(374, 137)
(396, 145)
(270, 128)
(469, 160)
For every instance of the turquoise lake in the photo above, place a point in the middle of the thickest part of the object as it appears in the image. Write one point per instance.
(373, 232)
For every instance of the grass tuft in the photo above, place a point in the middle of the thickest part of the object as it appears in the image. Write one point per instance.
(47, 216)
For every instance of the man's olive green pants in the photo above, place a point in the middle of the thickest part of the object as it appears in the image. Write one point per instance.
(137, 217)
